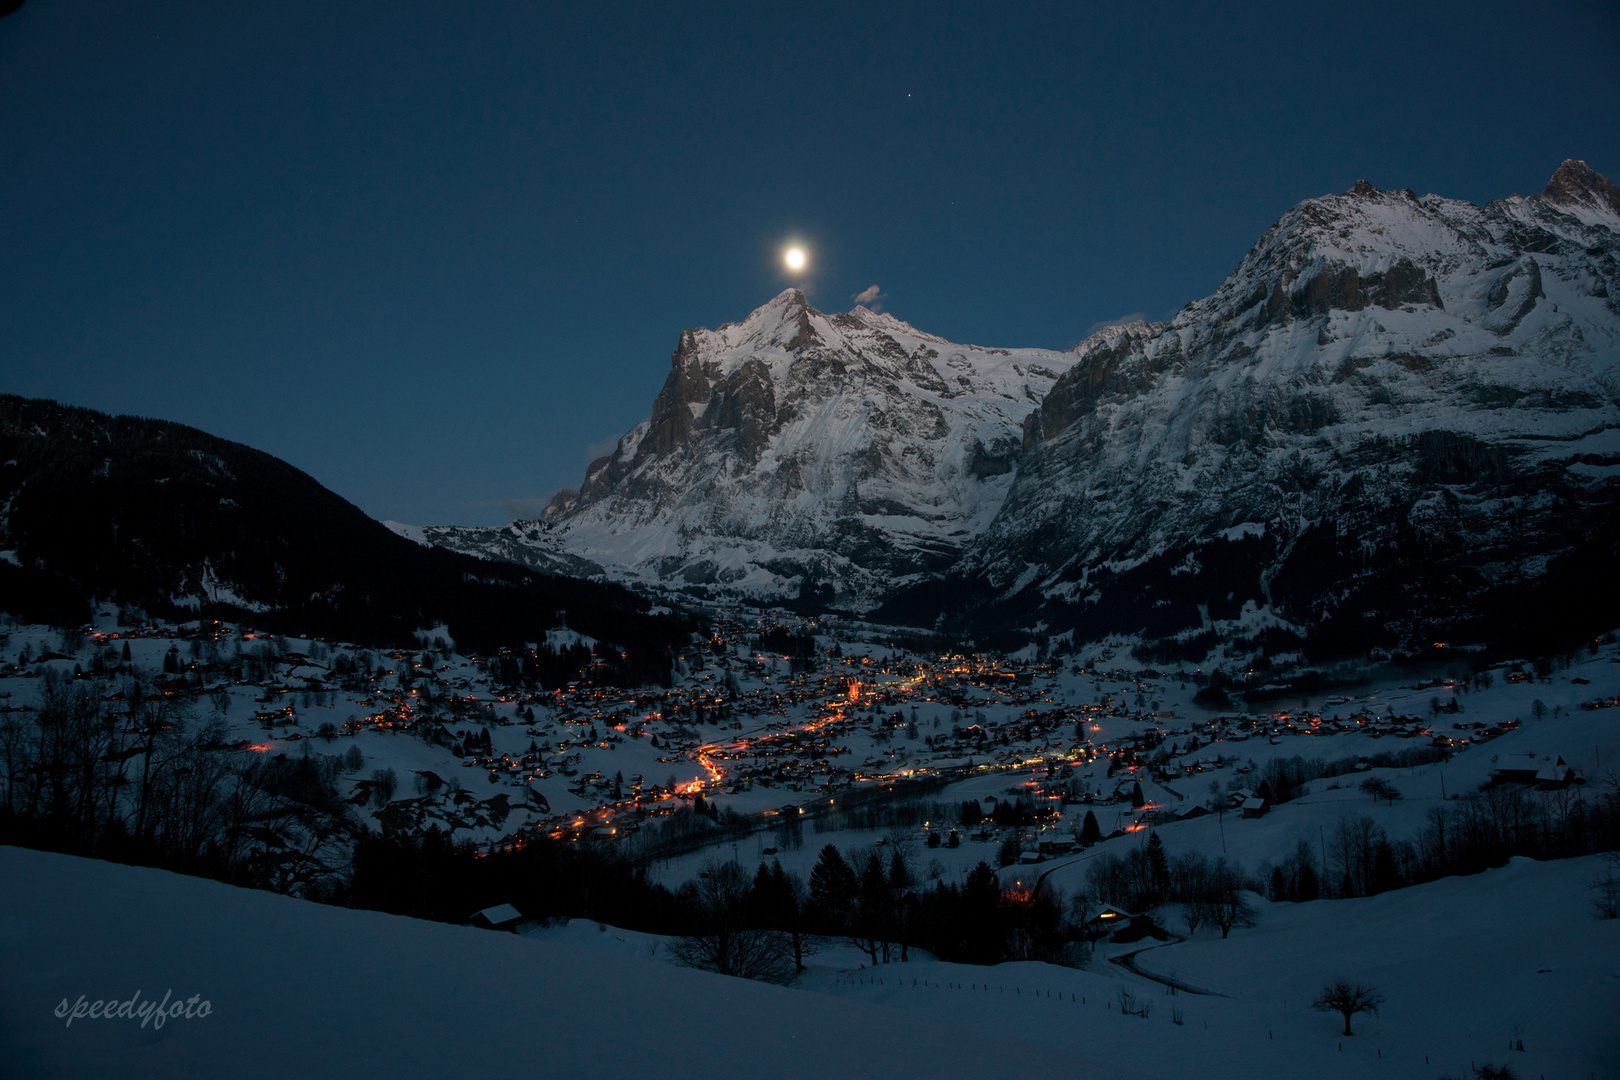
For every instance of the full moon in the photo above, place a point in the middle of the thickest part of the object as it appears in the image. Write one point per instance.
(794, 258)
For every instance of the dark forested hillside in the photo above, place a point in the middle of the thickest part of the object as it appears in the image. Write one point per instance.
(176, 521)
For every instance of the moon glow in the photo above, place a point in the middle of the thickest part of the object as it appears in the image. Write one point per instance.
(794, 257)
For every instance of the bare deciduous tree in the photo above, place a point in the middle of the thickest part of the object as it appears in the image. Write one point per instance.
(1342, 996)
(1227, 902)
(1381, 789)
(1605, 888)
(724, 941)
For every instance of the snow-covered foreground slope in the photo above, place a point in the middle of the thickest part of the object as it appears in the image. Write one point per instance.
(303, 990)
(1466, 964)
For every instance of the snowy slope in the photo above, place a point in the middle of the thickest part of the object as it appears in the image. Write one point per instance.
(301, 989)
(1467, 964)
(1394, 406)
(1464, 963)
(798, 453)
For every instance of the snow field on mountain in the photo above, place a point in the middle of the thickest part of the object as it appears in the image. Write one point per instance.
(1467, 965)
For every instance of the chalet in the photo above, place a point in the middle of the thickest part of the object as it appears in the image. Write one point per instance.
(1197, 810)
(500, 917)
(1557, 776)
(1518, 769)
(1057, 844)
(1031, 855)
(1107, 921)
(1139, 927)
(1548, 774)
(1258, 806)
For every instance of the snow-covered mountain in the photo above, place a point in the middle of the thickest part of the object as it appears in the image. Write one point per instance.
(797, 454)
(1398, 417)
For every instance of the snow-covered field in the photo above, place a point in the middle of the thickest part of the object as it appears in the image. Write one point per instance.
(1468, 965)
(298, 989)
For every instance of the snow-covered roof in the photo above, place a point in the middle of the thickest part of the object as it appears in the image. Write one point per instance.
(501, 913)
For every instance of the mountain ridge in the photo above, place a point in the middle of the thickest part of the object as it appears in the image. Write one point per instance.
(1379, 381)
(183, 524)
(1402, 372)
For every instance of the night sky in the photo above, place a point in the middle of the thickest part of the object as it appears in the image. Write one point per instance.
(431, 253)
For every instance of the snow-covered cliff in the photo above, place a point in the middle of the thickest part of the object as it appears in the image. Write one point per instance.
(798, 454)
(1395, 412)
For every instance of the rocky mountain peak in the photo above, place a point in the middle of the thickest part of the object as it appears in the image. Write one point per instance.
(1331, 438)
(786, 320)
(1577, 186)
(800, 454)
(883, 322)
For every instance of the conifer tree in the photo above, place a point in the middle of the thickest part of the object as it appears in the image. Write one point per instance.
(1158, 867)
(832, 891)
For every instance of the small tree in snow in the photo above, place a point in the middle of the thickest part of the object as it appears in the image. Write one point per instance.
(384, 783)
(1082, 909)
(1341, 996)
(1226, 902)
(1605, 888)
(1381, 789)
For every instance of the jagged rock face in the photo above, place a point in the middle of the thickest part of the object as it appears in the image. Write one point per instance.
(1395, 408)
(801, 455)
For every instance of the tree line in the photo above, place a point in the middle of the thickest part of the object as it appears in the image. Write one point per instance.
(1468, 833)
(1213, 892)
(135, 776)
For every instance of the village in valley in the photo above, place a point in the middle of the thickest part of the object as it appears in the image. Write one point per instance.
(777, 725)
